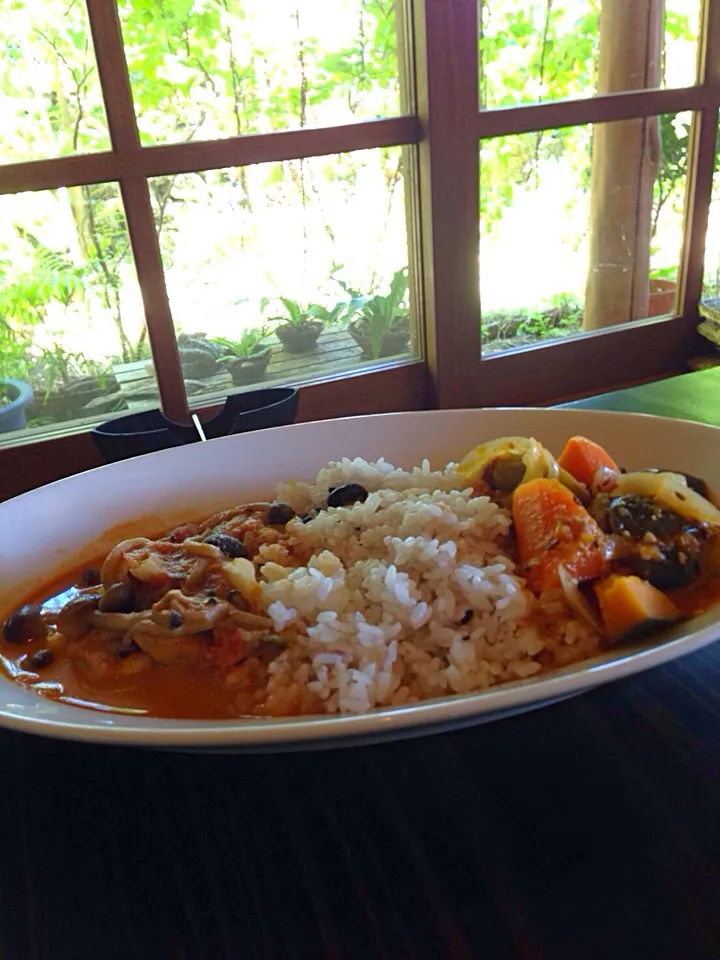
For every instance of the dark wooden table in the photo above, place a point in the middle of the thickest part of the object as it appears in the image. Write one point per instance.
(586, 831)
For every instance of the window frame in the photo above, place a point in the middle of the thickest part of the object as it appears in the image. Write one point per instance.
(442, 128)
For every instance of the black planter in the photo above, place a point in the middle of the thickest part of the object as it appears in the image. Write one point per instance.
(300, 337)
(151, 431)
(252, 369)
(395, 340)
(69, 401)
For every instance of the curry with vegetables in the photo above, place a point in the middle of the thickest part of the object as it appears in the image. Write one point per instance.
(186, 626)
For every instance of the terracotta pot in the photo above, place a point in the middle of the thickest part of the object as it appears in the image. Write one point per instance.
(300, 338)
(252, 369)
(662, 297)
(395, 341)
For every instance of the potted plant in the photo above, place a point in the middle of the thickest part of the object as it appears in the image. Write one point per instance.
(662, 292)
(66, 383)
(300, 327)
(15, 395)
(15, 391)
(246, 359)
(382, 328)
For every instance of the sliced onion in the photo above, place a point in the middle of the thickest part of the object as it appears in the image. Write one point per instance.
(670, 490)
(115, 566)
(538, 461)
(576, 601)
(605, 480)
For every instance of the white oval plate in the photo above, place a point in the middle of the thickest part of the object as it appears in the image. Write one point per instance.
(59, 526)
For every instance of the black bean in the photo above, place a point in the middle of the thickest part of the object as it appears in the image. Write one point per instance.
(118, 598)
(41, 658)
(90, 577)
(279, 513)
(175, 619)
(306, 518)
(466, 617)
(25, 624)
(347, 494)
(230, 546)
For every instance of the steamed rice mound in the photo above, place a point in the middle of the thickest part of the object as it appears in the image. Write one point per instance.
(408, 595)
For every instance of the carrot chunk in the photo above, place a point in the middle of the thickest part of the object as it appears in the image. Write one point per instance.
(629, 605)
(582, 458)
(553, 529)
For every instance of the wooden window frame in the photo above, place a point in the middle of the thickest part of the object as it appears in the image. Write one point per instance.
(443, 133)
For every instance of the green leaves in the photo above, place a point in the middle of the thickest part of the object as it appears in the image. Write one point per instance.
(380, 312)
(248, 344)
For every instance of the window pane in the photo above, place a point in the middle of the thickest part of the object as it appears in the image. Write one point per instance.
(218, 68)
(71, 318)
(710, 306)
(50, 99)
(580, 228)
(534, 50)
(285, 272)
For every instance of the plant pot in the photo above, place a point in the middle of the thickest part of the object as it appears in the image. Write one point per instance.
(662, 297)
(70, 400)
(252, 369)
(150, 431)
(395, 340)
(299, 337)
(12, 413)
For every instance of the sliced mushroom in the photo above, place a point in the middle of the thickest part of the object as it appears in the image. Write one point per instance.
(115, 567)
(26, 623)
(77, 616)
(118, 598)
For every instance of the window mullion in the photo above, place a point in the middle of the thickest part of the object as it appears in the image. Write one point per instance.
(447, 93)
(701, 163)
(117, 95)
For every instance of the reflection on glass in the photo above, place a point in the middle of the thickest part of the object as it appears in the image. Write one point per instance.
(71, 319)
(710, 306)
(533, 50)
(219, 68)
(50, 99)
(580, 228)
(286, 271)
(711, 285)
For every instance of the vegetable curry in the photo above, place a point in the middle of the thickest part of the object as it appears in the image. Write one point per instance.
(177, 627)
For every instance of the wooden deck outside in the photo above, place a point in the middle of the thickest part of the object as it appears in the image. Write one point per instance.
(336, 353)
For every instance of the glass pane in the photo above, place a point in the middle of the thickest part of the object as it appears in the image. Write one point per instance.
(534, 50)
(218, 68)
(71, 318)
(580, 228)
(50, 99)
(288, 271)
(710, 306)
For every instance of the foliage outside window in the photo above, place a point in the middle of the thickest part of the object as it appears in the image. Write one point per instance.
(304, 267)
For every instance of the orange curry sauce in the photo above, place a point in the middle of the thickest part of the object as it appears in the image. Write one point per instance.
(159, 691)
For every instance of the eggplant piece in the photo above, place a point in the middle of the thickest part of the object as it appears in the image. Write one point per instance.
(657, 545)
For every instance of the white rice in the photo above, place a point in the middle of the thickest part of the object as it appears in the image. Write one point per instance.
(408, 595)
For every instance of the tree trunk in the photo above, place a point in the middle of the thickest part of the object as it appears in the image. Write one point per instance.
(625, 156)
